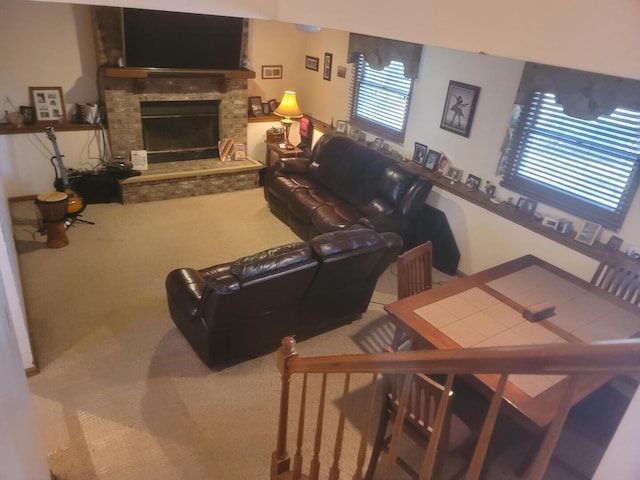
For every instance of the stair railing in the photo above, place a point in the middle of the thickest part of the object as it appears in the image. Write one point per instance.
(621, 357)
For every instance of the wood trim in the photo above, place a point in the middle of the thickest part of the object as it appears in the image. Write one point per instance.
(39, 127)
(117, 72)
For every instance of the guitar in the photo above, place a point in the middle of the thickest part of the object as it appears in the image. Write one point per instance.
(76, 204)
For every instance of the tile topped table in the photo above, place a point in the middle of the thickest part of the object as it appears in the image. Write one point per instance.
(486, 310)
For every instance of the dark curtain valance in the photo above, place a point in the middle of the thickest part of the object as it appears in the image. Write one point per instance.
(583, 95)
(379, 52)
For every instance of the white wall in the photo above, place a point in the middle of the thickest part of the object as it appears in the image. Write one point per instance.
(45, 45)
(22, 456)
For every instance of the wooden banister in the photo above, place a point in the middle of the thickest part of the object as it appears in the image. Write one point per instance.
(574, 360)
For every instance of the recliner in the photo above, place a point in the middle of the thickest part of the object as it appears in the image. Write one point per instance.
(242, 309)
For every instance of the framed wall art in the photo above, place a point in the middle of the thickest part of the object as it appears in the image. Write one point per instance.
(473, 182)
(459, 108)
(271, 72)
(311, 63)
(341, 126)
(326, 71)
(48, 103)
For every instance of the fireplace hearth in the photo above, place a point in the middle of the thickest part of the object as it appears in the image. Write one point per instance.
(180, 130)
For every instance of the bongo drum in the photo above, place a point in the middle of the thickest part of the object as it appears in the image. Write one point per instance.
(53, 210)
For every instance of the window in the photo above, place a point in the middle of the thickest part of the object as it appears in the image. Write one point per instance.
(588, 168)
(380, 102)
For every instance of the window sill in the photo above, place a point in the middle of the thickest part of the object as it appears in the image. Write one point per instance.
(511, 213)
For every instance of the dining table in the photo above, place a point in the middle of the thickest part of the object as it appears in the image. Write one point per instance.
(525, 301)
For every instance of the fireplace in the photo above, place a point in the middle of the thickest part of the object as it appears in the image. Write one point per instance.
(180, 130)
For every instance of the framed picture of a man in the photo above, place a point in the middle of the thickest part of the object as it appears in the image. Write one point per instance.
(459, 108)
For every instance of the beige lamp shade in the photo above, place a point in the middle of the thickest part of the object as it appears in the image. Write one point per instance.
(288, 109)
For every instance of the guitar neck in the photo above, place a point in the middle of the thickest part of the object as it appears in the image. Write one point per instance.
(61, 170)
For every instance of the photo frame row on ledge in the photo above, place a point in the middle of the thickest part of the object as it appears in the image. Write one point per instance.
(258, 108)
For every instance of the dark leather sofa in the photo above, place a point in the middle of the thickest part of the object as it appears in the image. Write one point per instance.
(345, 183)
(243, 309)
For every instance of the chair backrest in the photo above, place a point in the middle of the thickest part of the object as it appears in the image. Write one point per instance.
(414, 270)
(620, 276)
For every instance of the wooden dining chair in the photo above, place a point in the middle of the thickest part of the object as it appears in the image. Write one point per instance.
(415, 270)
(620, 276)
(420, 409)
(414, 276)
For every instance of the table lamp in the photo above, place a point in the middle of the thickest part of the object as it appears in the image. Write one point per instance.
(288, 109)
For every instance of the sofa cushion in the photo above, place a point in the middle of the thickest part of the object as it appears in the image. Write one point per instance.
(345, 240)
(271, 260)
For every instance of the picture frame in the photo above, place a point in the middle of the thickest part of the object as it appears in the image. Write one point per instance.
(341, 126)
(614, 243)
(529, 206)
(255, 106)
(443, 164)
(271, 72)
(312, 63)
(377, 143)
(489, 190)
(273, 104)
(326, 71)
(266, 110)
(588, 233)
(419, 153)
(473, 182)
(459, 108)
(354, 133)
(341, 71)
(48, 103)
(454, 174)
(521, 202)
(431, 162)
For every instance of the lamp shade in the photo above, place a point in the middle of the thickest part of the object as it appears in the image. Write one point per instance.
(288, 107)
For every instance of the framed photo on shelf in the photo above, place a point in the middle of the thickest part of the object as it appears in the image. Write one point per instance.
(443, 164)
(419, 153)
(255, 106)
(459, 108)
(432, 160)
(271, 72)
(377, 143)
(312, 63)
(473, 182)
(273, 104)
(354, 133)
(48, 103)
(326, 71)
(454, 174)
(529, 206)
(341, 126)
(588, 233)
(266, 110)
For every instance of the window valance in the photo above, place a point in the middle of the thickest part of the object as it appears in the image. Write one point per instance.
(584, 95)
(379, 52)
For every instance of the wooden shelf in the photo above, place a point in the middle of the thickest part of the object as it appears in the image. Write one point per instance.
(510, 212)
(117, 72)
(38, 127)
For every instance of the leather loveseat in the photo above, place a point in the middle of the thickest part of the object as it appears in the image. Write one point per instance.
(345, 183)
(243, 309)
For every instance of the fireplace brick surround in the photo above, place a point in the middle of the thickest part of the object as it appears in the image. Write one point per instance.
(121, 90)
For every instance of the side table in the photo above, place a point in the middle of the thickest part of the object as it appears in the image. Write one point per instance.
(274, 149)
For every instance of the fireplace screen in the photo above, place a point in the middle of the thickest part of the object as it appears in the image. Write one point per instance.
(180, 130)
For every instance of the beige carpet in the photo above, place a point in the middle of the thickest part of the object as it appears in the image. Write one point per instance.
(121, 395)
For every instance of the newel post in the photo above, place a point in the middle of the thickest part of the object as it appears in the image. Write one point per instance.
(280, 460)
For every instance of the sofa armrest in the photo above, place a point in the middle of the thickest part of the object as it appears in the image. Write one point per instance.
(184, 289)
(393, 222)
(292, 165)
(415, 197)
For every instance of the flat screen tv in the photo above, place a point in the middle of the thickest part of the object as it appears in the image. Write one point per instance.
(158, 39)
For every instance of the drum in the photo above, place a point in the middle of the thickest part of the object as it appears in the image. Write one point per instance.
(53, 210)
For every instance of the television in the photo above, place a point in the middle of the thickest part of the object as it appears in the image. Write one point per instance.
(159, 39)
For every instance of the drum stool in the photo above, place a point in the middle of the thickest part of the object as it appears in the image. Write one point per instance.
(53, 210)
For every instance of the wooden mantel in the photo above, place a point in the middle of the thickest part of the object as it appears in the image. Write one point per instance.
(117, 72)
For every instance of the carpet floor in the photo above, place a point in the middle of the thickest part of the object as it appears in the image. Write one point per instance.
(120, 394)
